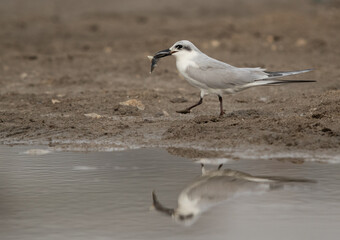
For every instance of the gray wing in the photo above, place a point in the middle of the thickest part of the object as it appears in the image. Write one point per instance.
(219, 75)
(210, 190)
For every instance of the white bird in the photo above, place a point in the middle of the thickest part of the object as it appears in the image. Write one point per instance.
(216, 77)
(214, 187)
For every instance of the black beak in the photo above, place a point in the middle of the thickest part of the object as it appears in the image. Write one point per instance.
(163, 53)
(158, 55)
(159, 207)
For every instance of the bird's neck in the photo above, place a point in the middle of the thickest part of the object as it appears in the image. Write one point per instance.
(187, 205)
(184, 61)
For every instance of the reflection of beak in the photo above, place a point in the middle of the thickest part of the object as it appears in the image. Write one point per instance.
(163, 53)
(159, 207)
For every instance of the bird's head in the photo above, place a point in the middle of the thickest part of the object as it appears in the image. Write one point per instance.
(186, 219)
(183, 48)
(181, 215)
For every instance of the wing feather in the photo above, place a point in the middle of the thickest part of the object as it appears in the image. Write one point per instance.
(216, 188)
(218, 75)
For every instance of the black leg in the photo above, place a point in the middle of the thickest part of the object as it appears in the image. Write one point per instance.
(187, 110)
(219, 166)
(221, 105)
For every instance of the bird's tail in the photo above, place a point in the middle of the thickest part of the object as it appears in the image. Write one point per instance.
(271, 79)
(272, 75)
(264, 82)
(286, 179)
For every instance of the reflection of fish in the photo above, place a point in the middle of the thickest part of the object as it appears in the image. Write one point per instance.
(157, 56)
(214, 187)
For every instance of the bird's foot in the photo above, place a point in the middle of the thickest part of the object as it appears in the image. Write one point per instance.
(222, 113)
(185, 111)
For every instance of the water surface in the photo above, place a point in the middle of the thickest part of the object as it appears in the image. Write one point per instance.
(107, 195)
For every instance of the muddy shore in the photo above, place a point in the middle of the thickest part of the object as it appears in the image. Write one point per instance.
(65, 70)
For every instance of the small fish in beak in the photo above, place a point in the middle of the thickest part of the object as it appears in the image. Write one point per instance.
(159, 207)
(157, 56)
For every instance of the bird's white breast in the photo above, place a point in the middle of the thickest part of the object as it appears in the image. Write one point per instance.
(183, 62)
(187, 205)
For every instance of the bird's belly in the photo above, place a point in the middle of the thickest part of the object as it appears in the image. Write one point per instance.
(195, 83)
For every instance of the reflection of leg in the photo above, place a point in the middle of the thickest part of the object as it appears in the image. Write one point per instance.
(187, 110)
(221, 105)
(202, 168)
(219, 166)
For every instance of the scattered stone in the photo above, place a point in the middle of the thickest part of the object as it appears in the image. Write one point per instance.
(93, 27)
(126, 110)
(317, 115)
(133, 102)
(245, 113)
(122, 125)
(241, 100)
(318, 43)
(326, 129)
(147, 121)
(37, 152)
(30, 57)
(23, 75)
(165, 113)
(273, 38)
(263, 99)
(141, 19)
(83, 168)
(179, 100)
(92, 115)
(205, 119)
(215, 43)
(54, 101)
(301, 42)
(273, 47)
(107, 50)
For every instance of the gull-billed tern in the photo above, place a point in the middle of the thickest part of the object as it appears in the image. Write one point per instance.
(216, 77)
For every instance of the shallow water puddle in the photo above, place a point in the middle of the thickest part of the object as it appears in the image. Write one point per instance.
(107, 195)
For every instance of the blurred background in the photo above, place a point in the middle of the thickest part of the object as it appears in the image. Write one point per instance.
(115, 36)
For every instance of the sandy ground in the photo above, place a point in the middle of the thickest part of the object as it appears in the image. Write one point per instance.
(61, 60)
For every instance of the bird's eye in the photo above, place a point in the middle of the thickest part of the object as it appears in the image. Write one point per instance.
(179, 46)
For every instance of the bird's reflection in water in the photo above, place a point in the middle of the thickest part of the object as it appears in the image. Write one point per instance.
(215, 186)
